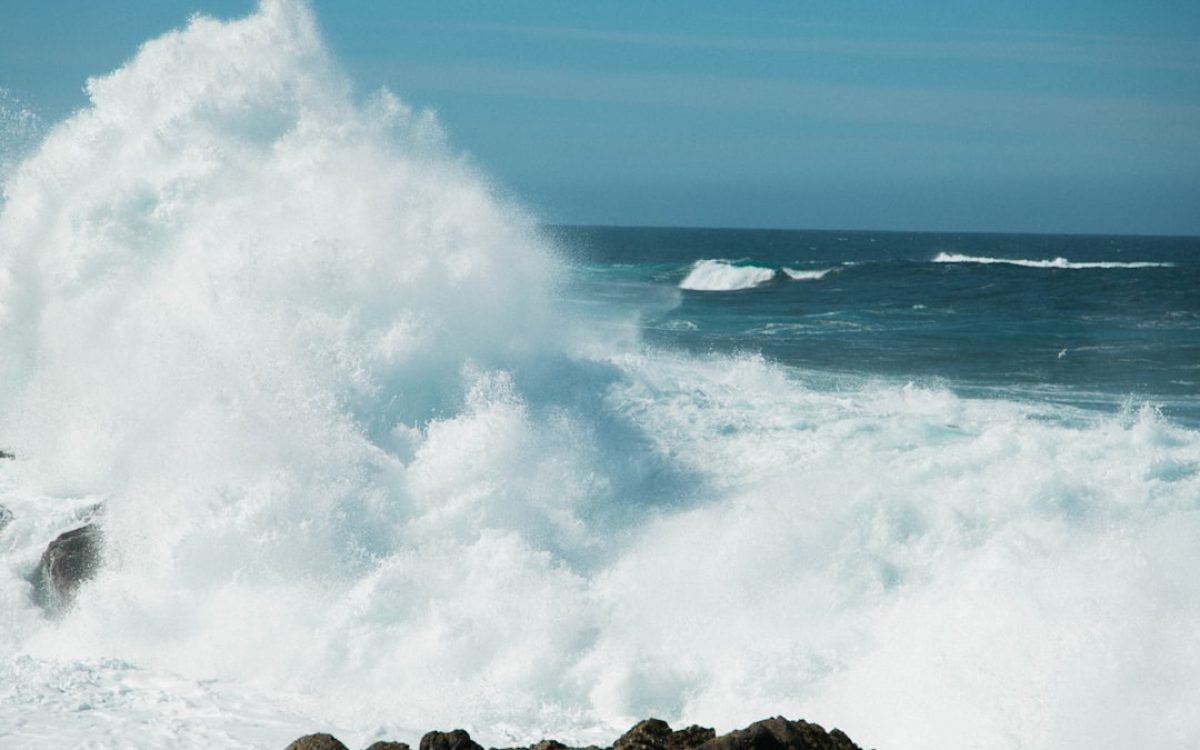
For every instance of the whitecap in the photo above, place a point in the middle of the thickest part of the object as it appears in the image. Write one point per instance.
(725, 276)
(1060, 262)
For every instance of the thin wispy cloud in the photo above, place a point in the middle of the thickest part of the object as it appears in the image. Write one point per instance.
(1014, 111)
(1015, 47)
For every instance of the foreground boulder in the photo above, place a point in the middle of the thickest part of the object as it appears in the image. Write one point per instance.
(68, 561)
(317, 742)
(656, 734)
(652, 734)
(457, 739)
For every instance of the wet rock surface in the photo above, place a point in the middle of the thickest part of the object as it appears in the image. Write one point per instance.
(656, 734)
(68, 561)
(457, 739)
(781, 734)
(652, 734)
(317, 742)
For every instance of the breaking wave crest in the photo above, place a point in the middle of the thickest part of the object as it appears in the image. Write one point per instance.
(723, 275)
(807, 274)
(727, 276)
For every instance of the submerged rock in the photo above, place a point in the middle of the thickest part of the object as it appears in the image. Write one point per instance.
(6, 454)
(68, 561)
(381, 745)
(317, 742)
(6, 517)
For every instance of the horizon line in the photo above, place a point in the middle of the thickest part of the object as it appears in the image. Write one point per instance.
(597, 225)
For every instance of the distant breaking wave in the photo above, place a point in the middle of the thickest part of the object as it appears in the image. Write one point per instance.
(795, 275)
(725, 276)
(1056, 263)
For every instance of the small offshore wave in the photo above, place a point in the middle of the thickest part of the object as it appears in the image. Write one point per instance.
(717, 275)
(1054, 263)
(677, 325)
(806, 275)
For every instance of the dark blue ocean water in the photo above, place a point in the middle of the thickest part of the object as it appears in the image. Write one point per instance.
(1096, 321)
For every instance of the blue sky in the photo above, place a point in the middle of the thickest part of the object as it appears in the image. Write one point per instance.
(1016, 116)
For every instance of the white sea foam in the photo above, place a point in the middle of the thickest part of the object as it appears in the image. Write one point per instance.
(359, 473)
(1053, 263)
(20, 129)
(725, 276)
(807, 274)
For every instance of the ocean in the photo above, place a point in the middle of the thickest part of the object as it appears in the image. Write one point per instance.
(375, 451)
(1107, 323)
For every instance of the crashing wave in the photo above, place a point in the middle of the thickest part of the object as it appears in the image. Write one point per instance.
(351, 457)
(716, 275)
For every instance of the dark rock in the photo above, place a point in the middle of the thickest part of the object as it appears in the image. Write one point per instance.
(656, 734)
(68, 561)
(6, 454)
(552, 745)
(651, 734)
(6, 517)
(455, 740)
(781, 734)
(317, 742)
(693, 736)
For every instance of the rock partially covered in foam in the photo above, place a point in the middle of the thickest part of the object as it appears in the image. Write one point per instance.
(68, 561)
(652, 734)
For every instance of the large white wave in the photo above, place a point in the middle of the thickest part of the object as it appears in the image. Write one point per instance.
(358, 471)
(725, 276)
(1052, 263)
(718, 275)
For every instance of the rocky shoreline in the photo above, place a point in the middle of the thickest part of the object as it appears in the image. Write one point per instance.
(652, 734)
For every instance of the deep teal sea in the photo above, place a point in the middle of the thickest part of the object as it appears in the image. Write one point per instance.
(1095, 321)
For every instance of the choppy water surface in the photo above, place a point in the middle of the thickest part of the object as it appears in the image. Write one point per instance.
(1097, 320)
